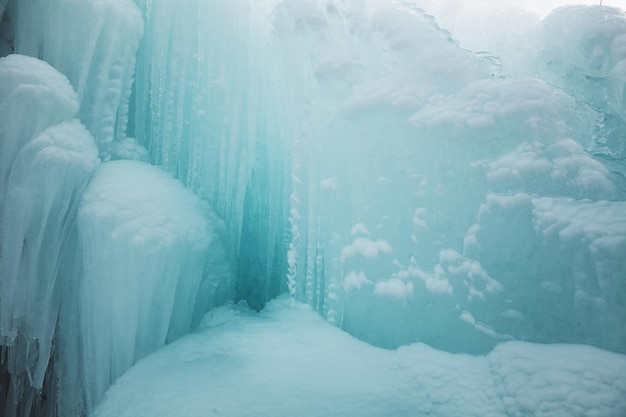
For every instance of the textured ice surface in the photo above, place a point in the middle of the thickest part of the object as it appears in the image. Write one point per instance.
(287, 361)
(46, 160)
(449, 173)
(33, 96)
(42, 195)
(145, 242)
(352, 147)
(92, 43)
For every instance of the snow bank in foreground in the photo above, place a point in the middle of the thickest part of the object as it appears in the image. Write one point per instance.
(286, 361)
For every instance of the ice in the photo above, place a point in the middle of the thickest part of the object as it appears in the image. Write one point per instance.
(572, 171)
(129, 149)
(287, 361)
(358, 186)
(446, 174)
(47, 158)
(92, 43)
(145, 241)
(197, 100)
(590, 64)
(34, 96)
(560, 251)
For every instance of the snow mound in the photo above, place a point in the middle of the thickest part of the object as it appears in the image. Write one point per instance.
(287, 361)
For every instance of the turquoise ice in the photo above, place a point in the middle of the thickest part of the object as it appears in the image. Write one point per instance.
(312, 207)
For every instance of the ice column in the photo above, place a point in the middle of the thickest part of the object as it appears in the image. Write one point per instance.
(94, 44)
(202, 109)
(145, 242)
(46, 160)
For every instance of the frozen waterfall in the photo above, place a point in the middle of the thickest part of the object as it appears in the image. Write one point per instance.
(415, 207)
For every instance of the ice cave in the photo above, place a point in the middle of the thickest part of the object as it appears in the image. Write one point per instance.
(312, 208)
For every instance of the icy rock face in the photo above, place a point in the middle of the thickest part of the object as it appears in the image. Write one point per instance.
(145, 242)
(47, 158)
(92, 43)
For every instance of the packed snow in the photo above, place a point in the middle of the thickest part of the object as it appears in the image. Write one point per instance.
(434, 190)
(286, 361)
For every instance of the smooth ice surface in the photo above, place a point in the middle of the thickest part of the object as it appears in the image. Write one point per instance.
(286, 361)
(152, 261)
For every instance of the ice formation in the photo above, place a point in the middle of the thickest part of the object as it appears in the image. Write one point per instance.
(145, 241)
(441, 173)
(46, 158)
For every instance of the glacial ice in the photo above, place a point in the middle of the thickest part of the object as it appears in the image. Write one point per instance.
(444, 180)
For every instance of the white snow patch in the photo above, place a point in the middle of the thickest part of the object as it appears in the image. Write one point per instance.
(354, 281)
(290, 349)
(366, 248)
(329, 184)
(394, 288)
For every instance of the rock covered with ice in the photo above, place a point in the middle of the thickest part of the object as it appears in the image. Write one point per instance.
(583, 51)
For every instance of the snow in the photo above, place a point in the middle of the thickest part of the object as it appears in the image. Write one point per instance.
(446, 174)
(366, 248)
(354, 280)
(287, 361)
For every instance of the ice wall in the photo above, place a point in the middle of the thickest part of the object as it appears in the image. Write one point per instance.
(355, 150)
(152, 264)
(140, 239)
(204, 111)
(590, 64)
(93, 277)
(409, 182)
(46, 160)
(94, 44)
